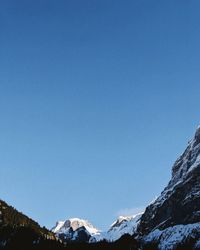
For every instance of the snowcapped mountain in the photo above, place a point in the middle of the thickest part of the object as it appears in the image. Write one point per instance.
(123, 225)
(81, 230)
(170, 222)
(172, 215)
(74, 229)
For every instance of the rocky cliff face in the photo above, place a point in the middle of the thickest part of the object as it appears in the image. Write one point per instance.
(179, 203)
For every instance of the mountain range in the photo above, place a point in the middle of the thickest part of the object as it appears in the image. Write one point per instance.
(171, 222)
(76, 229)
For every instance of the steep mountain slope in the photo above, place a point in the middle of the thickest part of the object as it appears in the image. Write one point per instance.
(177, 237)
(179, 203)
(9, 216)
(18, 230)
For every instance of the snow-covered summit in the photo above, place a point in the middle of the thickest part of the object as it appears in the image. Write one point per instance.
(74, 224)
(123, 225)
(74, 229)
(121, 219)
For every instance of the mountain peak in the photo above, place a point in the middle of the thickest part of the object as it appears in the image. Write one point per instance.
(74, 229)
(74, 224)
(188, 161)
(123, 219)
(197, 133)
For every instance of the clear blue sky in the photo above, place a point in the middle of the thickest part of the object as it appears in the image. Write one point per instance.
(97, 99)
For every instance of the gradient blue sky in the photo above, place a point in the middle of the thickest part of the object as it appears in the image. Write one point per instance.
(97, 99)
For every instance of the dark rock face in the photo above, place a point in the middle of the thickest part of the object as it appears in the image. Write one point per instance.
(82, 235)
(79, 235)
(179, 203)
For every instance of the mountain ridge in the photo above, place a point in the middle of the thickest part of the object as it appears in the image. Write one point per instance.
(170, 222)
(123, 225)
(176, 208)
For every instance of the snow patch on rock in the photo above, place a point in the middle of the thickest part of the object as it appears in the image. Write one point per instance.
(171, 237)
